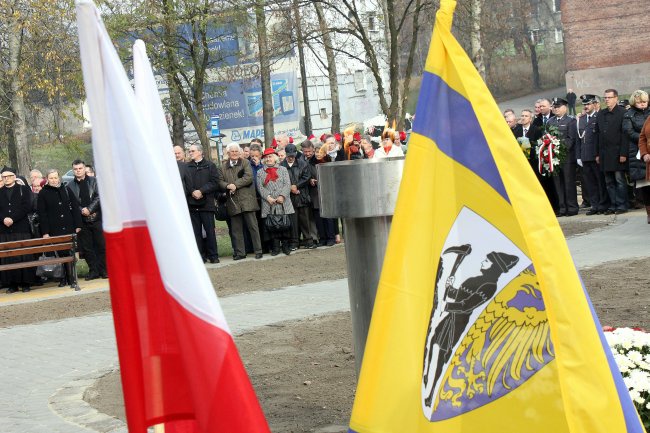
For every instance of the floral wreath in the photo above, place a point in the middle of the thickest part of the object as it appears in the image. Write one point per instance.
(551, 152)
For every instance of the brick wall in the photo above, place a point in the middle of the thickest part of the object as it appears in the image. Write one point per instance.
(605, 33)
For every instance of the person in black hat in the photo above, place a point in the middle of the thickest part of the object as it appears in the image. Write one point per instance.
(565, 181)
(15, 205)
(592, 178)
(299, 175)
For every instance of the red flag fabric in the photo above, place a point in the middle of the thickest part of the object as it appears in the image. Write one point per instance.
(178, 360)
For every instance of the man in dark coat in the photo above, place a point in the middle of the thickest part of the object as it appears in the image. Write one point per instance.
(612, 151)
(586, 157)
(299, 175)
(15, 204)
(236, 177)
(84, 194)
(203, 183)
(571, 99)
(544, 115)
(565, 181)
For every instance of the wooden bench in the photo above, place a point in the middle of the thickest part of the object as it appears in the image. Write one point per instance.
(39, 246)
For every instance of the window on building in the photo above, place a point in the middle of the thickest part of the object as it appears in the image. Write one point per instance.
(536, 37)
(558, 36)
(557, 5)
(323, 113)
(359, 81)
(372, 24)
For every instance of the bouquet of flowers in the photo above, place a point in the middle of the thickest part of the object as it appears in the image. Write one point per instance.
(551, 152)
(524, 145)
(631, 350)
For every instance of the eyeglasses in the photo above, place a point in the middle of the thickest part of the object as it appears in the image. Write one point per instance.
(192, 151)
(8, 176)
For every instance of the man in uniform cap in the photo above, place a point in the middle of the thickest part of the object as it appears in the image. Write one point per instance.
(565, 181)
(586, 157)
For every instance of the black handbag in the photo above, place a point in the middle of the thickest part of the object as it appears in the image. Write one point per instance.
(54, 272)
(277, 222)
(221, 211)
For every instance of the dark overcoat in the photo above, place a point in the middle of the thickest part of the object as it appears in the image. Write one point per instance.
(56, 212)
(610, 141)
(15, 206)
(633, 121)
(204, 176)
(244, 198)
(299, 175)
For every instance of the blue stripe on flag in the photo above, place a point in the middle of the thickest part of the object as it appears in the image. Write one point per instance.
(446, 117)
(629, 411)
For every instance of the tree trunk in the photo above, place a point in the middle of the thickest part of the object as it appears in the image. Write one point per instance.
(176, 111)
(409, 65)
(19, 126)
(393, 73)
(475, 37)
(534, 62)
(265, 74)
(331, 68)
(175, 102)
(303, 69)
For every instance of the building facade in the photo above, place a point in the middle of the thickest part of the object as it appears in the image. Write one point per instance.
(606, 45)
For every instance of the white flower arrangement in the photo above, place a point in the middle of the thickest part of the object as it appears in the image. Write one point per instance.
(631, 350)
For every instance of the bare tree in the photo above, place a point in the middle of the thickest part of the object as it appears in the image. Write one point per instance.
(330, 66)
(265, 73)
(396, 15)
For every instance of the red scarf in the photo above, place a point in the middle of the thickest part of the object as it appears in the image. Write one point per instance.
(387, 149)
(271, 175)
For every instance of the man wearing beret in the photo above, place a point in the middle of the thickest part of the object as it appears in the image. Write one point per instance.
(15, 204)
(565, 181)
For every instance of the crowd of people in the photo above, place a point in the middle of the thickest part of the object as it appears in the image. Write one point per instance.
(42, 207)
(269, 196)
(252, 182)
(607, 151)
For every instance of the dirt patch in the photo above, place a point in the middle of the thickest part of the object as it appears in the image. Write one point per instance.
(54, 309)
(308, 266)
(583, 224)
(303, 371)
(303, 374)
(246, 276)
(620, 292)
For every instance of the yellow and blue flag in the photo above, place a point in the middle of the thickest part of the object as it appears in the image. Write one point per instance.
(481, 323)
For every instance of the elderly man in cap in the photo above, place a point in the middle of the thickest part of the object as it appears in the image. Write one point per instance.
(299, 175)
(586, 157)
(15, 205)
(565, 181)
(612, 151)
(236, 177)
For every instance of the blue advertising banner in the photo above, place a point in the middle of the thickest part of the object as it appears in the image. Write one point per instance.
(239, 105)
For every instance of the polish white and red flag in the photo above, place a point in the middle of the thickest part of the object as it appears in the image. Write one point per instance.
(179, 364)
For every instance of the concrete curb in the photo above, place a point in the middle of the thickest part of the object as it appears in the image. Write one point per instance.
(69, 404)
